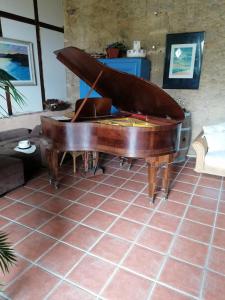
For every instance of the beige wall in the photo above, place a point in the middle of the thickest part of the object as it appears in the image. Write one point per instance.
(92, 24)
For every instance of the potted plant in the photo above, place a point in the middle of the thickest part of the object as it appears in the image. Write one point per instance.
(115, 50)
(10, 91)
(7, 256)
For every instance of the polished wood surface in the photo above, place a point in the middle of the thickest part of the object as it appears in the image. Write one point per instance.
(128, 92)
(136, 98)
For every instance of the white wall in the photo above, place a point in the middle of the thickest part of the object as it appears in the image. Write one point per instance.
(53, 69)
(19, 7)
(50, 12)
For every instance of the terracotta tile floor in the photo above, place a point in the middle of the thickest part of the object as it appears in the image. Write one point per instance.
(100, 238)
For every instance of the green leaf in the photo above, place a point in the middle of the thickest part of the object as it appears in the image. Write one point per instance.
(5, 84)
(7, 256)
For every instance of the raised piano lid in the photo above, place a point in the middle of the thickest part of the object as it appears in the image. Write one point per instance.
(128, 92)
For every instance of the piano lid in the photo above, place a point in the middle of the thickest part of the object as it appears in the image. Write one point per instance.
(128, 92)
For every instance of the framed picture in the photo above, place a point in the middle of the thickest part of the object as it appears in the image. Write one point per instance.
(183, 60)
(16, 59)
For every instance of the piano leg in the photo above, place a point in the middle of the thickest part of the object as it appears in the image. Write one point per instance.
(154, 163)
(165, 179)
(52, 159)
(152, 172)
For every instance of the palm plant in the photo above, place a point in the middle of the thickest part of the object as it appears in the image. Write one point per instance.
(8, 87)
(7, 256)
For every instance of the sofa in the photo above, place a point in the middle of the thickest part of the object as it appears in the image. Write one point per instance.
(8, 156)
(209, 146)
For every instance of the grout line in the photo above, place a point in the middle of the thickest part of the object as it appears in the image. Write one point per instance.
(210, 244)
(167, 256)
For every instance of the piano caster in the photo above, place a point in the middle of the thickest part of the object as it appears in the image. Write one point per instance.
(121, 162)
(54, 182)
(164, 195)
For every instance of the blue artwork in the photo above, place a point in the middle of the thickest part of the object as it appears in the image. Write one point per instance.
(182, 61)
(17, 61)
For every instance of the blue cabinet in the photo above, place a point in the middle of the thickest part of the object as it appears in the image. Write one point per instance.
(137, 66)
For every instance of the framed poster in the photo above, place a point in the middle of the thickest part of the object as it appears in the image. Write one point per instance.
(183, 60)
(16, 59)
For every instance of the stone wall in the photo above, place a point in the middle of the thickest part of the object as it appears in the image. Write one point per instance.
(92, 24)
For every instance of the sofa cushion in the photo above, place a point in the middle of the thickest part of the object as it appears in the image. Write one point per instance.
(14, 134)
(215, 160)
(214, 128)
(215, 141)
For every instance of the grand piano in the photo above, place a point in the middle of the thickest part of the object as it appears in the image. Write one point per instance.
(147, 125)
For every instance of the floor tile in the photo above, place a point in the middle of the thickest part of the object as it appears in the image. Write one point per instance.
(15, 270)
(190, 251)
(217, 260)
(220, 221)
(36, 183)
(219, 238)
(76, 212)
(187, 178)
(124, 174)
(204, 202)
(34, 246)
(140, 177)
(183, 187)
(5, 202)
(82, 237)
(127, 286)
(35, 218)
(156, 239)
(68, 291)
(210, 182)
(91, 199)
(52, 190)
(179, 196)
(28, 285)
(126, 229)
(182, 276)
(71, 193)
(172, 208)
(111, 248)
(37, 198)
(85, 184)
(196, 231)
(55, 205)
(19, 193)
(16, 210)
(114, 181)
(104, 189)
(144, 261)
(143, 200)
(60, 259)
(16, 232)
(200, 215)
(214, 287)
(99, 220)
(138, 214)
(164, 221)
(113, 206)
(222, 207)
(3, 222)
(124, 195)
(57, 227)
(163, 293)
(91, 273)
(134, 185)
(207, 192)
